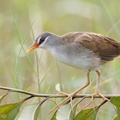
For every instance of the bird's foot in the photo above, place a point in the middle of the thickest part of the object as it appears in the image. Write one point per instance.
(91, 101)
(101, 95)
(69, 98)
(63, 93)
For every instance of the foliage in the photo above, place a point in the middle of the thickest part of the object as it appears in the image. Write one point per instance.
(116, 101)
(65, 112)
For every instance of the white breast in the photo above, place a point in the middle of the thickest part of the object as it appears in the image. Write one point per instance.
(76, 57)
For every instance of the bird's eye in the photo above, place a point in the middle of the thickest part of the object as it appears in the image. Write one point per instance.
(40, 41)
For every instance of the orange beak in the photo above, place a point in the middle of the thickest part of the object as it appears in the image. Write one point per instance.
(33, 46)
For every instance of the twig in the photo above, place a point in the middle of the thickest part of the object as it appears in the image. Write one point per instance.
(103, 103)
(54, 95)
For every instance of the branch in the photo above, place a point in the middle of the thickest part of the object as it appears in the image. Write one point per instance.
(54, 95)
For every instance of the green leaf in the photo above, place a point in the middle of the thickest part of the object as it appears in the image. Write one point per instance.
(116, 118)
(72, 112)
(10, 111)
(29, 112)
(116, 101)
(2, 96)
(87, 114)
(36, 112)
(63, 112)
(54, 116)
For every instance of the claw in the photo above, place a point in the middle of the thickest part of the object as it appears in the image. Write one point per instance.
(102, 96)
(63, 102)
(73, 94)
(91, 101)
(63, 93)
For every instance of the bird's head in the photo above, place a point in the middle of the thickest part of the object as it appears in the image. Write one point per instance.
(44, 40)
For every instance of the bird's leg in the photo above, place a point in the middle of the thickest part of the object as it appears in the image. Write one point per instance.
(86, 84)
(97, 86)
(98, 81)
(97, 91)
(74, 93)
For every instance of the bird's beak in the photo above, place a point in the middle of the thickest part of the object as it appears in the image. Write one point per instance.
(33, 46)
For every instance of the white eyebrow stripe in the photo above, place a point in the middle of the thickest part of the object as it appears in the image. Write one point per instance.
(47, 38)
(38, 40)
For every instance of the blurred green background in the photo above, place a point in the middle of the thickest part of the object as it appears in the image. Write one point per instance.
(23, 20)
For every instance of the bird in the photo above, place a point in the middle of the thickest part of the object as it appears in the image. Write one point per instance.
(84, 50)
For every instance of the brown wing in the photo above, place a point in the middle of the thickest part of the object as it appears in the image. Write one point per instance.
(106, 48)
